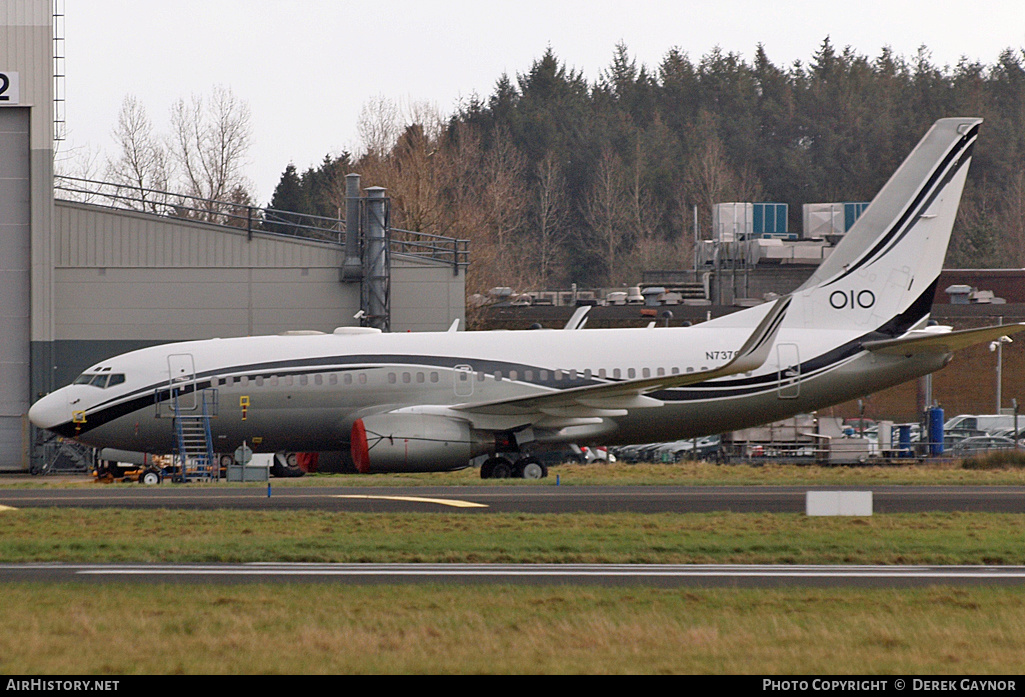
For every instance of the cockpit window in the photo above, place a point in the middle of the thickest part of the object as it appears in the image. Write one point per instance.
(102, 381)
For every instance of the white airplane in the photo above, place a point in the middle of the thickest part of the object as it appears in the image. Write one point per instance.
(434, 401)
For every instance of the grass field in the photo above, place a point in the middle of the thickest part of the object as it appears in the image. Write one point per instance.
(106, 535)
(335, 629)
(332, 628)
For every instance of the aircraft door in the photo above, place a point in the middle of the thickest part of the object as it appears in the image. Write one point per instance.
(462, 377)
(181, 375)
(789, 362)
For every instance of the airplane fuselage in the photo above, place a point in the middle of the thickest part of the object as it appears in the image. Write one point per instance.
(303, 393)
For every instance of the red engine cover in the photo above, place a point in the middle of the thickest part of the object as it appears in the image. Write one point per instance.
(360, 449)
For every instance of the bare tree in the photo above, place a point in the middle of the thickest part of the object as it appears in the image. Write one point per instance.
(209, 144)
(504, 203)
(141, 163)
(427, 115)
(468, 218)
(80, 168)
(684, 217)
(550, 217)
(413, 168)
(379, 126)
(415, 179)
(1013, 216)
(605, 211)
(710, 178)
(648, 247)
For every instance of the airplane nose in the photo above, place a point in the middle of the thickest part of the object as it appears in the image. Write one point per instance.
(50, 411)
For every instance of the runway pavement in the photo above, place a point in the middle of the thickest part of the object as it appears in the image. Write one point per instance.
(658, 575)
(515, 499)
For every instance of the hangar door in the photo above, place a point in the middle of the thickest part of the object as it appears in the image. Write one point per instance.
(15, 261)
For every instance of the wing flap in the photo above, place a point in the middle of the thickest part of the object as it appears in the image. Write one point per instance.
(941, 341)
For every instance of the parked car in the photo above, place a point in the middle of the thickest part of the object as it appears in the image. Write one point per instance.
(708, 448)
(979, 422)
(705, 448)
(1009, 433)
(975, 445)
(599, 453)
(571, 453)
(962, 433)
(641, 452)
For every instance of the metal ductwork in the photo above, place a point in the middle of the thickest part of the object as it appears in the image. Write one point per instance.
(376, 264)
(367, 251)
(352, 268)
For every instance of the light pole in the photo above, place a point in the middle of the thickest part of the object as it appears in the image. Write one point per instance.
(998, 346)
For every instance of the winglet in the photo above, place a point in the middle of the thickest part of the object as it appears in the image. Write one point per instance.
(755, 350)
(579, 318)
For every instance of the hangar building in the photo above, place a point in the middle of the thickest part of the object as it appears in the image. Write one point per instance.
(87, 272)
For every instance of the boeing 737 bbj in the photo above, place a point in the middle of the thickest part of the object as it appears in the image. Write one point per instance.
(435, 401)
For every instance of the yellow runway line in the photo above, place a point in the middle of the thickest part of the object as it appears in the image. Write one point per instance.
(442, 502)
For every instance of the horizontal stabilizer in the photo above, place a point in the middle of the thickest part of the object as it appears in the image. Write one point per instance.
(940, 341)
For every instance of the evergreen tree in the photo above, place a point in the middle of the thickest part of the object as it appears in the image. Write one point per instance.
(641, 147)
(288, 197)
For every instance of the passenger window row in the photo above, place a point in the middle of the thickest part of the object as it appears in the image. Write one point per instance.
(318, 379)
(421, 377)
(588, 374)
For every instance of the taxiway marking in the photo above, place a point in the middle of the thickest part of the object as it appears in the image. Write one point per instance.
(455, 503)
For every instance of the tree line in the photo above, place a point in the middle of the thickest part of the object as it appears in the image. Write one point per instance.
(556, 180)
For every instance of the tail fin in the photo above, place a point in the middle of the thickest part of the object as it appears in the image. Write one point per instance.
(882, 275)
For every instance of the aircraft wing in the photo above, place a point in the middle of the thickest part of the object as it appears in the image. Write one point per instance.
(613, 399)
(942, 341)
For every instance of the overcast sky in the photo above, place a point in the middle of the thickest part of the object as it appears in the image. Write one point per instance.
(306, 67)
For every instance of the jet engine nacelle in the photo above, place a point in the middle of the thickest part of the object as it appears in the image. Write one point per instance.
(411, 442)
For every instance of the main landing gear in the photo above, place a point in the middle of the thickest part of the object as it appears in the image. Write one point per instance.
(501, 467)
